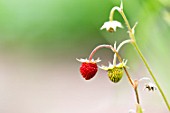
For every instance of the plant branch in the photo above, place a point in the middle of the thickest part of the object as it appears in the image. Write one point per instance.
(135, 83)
(98, 47)
(120, 60)
(131, 35)
(136, 90)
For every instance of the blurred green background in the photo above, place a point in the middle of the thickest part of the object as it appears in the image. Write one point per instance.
(41, 39)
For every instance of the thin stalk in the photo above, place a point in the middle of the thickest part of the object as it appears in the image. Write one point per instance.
(153, 77)
(112, 12)
(134, 84)
(137, 96)
(136, 90)
(126, 21)
(95, 49)
(118, 48)
(120, 60)
(130, 80)
(143, 58)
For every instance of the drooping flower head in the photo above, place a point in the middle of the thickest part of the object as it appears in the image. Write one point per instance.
(88, 69)
(111, 26)
(148, 85)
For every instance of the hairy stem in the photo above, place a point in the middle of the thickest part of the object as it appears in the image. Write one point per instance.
(118, 48)
(130, 80)
(135, 83)
(112, 12)
(95, 49)
(137, 96)
(153, 77)
(131, 35)
(136, 90)
(120, 60)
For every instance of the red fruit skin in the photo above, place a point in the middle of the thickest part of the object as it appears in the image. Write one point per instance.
(88, 70)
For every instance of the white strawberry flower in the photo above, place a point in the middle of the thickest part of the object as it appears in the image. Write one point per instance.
(111, 26)
(148, 85)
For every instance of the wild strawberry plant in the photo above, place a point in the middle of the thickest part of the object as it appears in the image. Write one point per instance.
(115, 71)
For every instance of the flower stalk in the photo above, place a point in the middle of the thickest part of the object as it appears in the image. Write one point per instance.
(115, 71)
(120, 60)
(152, 75)
(118, 48)
(132, 36)
(133, 83)
(112, 12)
(136, 90)
(123, 63)
(97, 48)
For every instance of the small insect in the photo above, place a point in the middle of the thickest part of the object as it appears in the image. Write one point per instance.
(115, 74)
(150, 86)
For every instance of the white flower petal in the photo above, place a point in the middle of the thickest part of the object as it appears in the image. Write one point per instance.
(103, 67)
(111, 25)
(86, 60)
(105, 25)
(123, 64)
(82, 60)
(111, 66)
(145, 78)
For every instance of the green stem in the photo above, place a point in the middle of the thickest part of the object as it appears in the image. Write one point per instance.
(143, 58)
(128, 25)
(156, 82)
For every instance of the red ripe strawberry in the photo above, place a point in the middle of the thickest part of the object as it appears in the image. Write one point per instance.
(88, 70)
